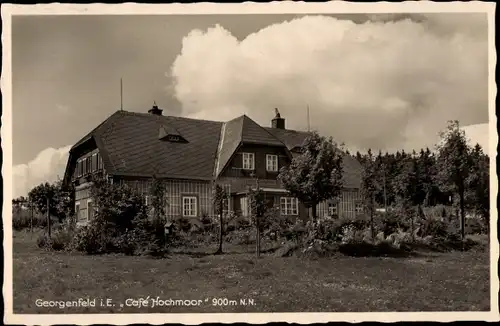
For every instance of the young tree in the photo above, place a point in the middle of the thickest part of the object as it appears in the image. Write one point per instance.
(159, 203)
(61, 200)
(316, 174)
(478, 183)
(409, 189)
(258, 212)
(369, 187)
(219, 199)
(453, 164)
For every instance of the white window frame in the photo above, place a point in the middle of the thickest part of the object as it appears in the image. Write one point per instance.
(248, 161)
(89, 201)
(192, 212)
(245, 208)
(271, 163)
(78, 212)
(289, 206)
(92, 167)
(358, 207)
(99, 161)
(79, 168)
(333, 208)
(147, 200)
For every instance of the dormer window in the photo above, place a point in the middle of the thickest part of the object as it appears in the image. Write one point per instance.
(174, 138)
(169, 133)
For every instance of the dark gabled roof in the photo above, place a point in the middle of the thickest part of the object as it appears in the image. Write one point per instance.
(133, 149)
(241, 130)
(131, 146)
(230, 140)
(291, 138)
(294, 139)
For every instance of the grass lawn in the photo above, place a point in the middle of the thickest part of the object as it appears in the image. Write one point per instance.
(457, 281)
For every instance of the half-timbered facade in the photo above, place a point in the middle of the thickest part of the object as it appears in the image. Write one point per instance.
(190, 155)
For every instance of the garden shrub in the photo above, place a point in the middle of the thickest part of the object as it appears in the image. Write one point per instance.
(319, 248)
(183, 224)
(295, 232)
(475, 226)
(238, 223)
(208, 224)
(392, 221)
(21, 220)
(244, 236)
(434, 227)
(59, 240)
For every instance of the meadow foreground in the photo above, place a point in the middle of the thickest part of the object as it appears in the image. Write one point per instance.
(457, 281)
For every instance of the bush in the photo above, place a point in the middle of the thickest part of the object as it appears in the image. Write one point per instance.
(60, 240)
(295, 232)
(238, 223)
(434, 227)
(319, 248)
(21, 220)
(90, 240)
(391, 222)
(242, 236)
(183, 224)
(475, 226)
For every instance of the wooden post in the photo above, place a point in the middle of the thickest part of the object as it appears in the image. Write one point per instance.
(31, 216)
(385, 194)
(257, 245)
(48, 216)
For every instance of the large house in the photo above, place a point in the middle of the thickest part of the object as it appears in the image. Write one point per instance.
(190, 154)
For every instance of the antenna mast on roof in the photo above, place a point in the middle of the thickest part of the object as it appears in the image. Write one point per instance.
(121, 94)
(308, 120)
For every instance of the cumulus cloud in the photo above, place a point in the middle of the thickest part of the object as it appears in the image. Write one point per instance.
(478, 134)
(47, 166)
(385, 83)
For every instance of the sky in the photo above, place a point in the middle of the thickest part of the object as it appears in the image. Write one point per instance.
(371, 81)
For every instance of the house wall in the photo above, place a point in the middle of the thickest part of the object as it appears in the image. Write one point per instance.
(234, 168)
(176, 190)
(274, 201)
(346, 204)
(82, 198)
(93, 165)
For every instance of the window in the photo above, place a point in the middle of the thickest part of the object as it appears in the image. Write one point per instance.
(147, 200)
(245, 209)
(89, 164)
(84, 166)
(90, 210)
(189, 208)
(289, 206)
(272, 163)
(78, 168)
(332, 209)
(94, 162)
(78, 212)
(99, 161)
(359, 207)
(248, 161)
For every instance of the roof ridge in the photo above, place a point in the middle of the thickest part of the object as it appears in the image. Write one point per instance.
(261, 128)
(219, 148)
(92, 132)
(145, 114)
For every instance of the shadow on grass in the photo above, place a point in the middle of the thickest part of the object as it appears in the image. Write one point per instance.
(371, 250)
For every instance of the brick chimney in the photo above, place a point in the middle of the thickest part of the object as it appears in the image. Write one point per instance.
(278, 122)
(155, 110)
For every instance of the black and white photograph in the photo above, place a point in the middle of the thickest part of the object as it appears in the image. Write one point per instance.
(336, 160)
